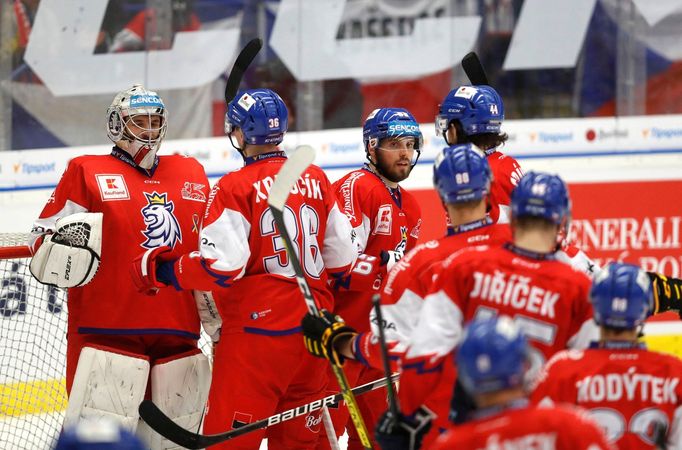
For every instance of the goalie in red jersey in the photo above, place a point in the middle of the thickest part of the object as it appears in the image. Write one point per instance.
(104, 211)
(260, 366)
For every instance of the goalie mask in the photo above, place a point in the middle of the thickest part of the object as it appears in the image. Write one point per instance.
(136, 123)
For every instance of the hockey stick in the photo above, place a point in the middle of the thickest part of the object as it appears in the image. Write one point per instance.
(474, 69)
(242, 63)
(286, 179)
(165, 426)
(393, 406)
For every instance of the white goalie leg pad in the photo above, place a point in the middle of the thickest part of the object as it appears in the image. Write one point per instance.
(107, 386)
(180, 389)
(70, 257)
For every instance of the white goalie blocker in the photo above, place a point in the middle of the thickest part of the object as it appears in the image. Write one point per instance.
(110, 385)
(70, 256)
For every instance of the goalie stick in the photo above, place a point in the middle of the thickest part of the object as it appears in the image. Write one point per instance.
(474, 69)
(288, 175)
(242, 63)
(165, 426)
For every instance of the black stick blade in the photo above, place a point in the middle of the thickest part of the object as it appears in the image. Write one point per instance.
(474, 69)
(163, 425)
(242, 63)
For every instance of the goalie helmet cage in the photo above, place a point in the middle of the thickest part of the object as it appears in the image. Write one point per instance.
(32, 351)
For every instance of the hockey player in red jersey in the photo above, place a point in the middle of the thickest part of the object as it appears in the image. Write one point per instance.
(475, 114)
(260, 366)
(521, 279)
(462, 178)
(104, 211)
(492, 361)
(386, 220)
(633, 393)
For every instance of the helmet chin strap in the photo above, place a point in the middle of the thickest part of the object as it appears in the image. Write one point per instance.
(240, 150)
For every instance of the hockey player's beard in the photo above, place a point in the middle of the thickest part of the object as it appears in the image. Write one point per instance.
(395, 173)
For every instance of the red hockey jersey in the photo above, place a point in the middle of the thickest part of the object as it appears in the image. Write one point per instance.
(242, 249)
(506, 175)
(408, 283)
(526, 428)
(547, 298)
(625, 390)
(140, 211)
(382, 219)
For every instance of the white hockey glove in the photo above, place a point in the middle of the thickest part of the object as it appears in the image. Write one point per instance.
(208, 313)
(70, 256)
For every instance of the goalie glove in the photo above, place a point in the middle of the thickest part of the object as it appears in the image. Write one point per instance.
(321, 333)
(667, 293)
(70, 256)
(403, 432)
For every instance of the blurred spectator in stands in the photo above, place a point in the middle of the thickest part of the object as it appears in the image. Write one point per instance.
(24, 14)
(114, 19)
(133, 37)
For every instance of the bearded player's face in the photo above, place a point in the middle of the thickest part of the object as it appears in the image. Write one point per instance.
(394, 157)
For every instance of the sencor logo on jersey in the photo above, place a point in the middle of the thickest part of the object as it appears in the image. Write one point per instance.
(162, 227)
(112, 187)
(384, 220)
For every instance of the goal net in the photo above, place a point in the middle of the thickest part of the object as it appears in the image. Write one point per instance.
(32, 352)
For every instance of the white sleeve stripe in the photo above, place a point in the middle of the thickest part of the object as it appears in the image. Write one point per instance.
(438, 329)
(588, 332)
(339, 250)
(227, 241)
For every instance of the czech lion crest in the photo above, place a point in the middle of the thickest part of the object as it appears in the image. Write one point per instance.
(162, 228)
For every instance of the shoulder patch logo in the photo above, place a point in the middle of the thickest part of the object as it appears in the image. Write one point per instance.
(193, 191)
(162, 228)
(112, 187)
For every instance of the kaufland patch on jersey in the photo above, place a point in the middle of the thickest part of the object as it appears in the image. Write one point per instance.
(112, 187)
(384, 220)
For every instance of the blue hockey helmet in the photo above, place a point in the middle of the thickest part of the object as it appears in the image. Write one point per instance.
(461, 173)
(478, 108)
(541, 195)
(261, 115)
(390, 122)
(492, 356)
(621, 296)
(89, 434)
